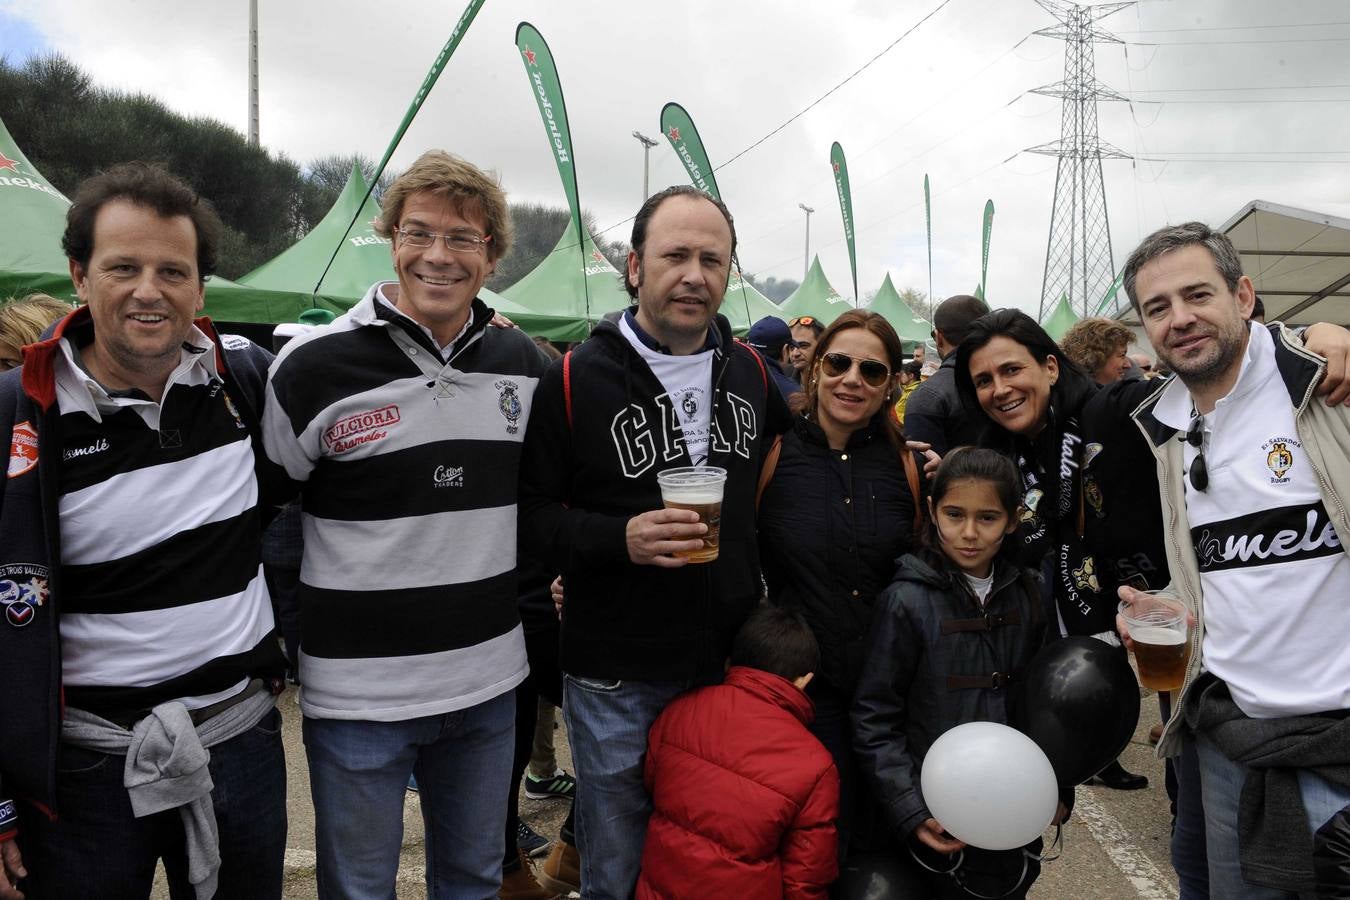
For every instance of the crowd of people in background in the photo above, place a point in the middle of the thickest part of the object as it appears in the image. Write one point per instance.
(474, 533)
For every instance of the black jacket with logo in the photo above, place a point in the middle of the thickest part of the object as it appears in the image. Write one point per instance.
(585, 475)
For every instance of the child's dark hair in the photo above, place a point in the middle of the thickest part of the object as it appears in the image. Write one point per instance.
(973, 464)
(776, 640)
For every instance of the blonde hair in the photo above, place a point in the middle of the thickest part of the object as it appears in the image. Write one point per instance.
(472, 190)
(22, 321)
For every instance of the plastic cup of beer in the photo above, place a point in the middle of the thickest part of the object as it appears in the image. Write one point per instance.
(698, 488)
(1159, 631)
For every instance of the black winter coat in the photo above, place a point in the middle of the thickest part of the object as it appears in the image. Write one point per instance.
(831, 525)
(904, 700)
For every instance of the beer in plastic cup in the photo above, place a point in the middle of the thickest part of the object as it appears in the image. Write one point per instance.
(1161, 647)
(698, 488)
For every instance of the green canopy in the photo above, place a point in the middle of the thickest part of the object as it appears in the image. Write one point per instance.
(552, 298)
(1060, 320)
(913, 328)
(815, 298)
(363, 260)
(33, 219)
(734, 304)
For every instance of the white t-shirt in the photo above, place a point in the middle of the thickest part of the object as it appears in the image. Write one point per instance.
(688, 396)
(981, 586)
(1275, 577)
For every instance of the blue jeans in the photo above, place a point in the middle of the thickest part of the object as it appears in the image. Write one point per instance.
(1221, 781)
(358, 771)
(98, 849)
(1189, 856)
(607, 725)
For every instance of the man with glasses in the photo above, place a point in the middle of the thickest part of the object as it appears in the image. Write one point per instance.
(806, 331)
(1254, 484)
(404, 420)
(664, 387)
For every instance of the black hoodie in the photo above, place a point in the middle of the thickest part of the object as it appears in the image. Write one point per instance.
(585, 475)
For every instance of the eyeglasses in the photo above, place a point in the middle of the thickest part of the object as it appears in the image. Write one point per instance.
(1195, 436)
(808, 321)
(837, 364)
(460, 243)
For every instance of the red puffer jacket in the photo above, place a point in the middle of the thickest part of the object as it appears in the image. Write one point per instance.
(745, 797)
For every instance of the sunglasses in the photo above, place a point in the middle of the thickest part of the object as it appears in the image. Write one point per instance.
(837, 364)
(808, 321)
(1195, 436)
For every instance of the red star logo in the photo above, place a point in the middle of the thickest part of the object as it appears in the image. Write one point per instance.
(374, 222)
(7, 163)
(529, 56)
(836, 168)
(674, 133)
(597, 256)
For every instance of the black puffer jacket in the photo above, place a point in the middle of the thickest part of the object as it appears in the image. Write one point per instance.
(905, 701)
(831, 525)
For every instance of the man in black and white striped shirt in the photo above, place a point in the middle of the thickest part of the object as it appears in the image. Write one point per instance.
(138, 627)
(404, 418)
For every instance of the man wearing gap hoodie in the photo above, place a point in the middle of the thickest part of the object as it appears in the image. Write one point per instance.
(665, 386)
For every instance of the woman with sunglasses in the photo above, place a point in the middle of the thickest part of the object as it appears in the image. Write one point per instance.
(835, 514)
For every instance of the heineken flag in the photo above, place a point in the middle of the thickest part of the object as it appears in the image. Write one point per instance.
(465, 20)
(547, 90)
(984, 243)
(1110, 295)
(928, 217)
(840, 167)
(679, 129)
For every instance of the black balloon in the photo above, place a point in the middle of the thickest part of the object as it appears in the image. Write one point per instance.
(1079, 702)
(880, 877)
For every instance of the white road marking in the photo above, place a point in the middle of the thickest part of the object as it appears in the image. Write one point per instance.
(1123, 850)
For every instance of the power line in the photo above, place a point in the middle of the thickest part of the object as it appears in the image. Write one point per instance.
(1324, 40)
(1255, 87)
(1231, 27)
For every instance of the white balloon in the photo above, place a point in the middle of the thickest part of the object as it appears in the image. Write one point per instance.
(989, 785)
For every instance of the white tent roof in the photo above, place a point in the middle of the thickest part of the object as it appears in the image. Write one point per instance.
(1298, 260)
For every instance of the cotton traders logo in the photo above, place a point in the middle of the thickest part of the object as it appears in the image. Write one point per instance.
(509, 405)
(23, 449)
(1279, 458)
(23, 591)
(448, 476)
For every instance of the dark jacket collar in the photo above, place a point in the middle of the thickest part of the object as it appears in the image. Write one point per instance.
(710, 342)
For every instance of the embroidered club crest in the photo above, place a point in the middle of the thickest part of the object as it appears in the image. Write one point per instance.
(1085, 576)
(508, 403)
(1030, 502)
(1279, 460)
(1092, 493)
(23, 591)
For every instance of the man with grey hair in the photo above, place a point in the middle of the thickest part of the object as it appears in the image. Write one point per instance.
(404, 421)
(1254, 487)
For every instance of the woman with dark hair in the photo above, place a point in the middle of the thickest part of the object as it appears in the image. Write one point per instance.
(1030, 397)
(836, 511)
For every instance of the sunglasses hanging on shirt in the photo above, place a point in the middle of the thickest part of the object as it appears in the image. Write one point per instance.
(1195, 436)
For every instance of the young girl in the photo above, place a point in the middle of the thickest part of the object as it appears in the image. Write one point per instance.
(950, 636)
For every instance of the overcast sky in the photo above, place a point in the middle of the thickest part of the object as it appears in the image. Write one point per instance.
(1258, 95)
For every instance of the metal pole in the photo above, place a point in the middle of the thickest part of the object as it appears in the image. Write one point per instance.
(253, 72)
(647, 145)
(806, 263)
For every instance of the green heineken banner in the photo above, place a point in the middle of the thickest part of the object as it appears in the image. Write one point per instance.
(840, 167)
(465, 20)
(547, 90)
(984, 244)
(1110, 294)
(679, 129)
(928, 217)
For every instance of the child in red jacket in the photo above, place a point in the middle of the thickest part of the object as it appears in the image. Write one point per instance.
(745, 798)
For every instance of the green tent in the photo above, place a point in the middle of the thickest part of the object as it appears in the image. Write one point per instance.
(363, 260)
(913, 328)
(735, 303)
(815, 298)
(552, 298)
(34, 217)
(1060, 320)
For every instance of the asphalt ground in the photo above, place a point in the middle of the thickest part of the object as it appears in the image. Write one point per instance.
(1115, 845)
